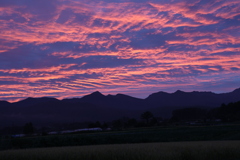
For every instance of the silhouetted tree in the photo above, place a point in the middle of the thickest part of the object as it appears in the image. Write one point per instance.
(131, 122)
(44, 131)
(147, 115)
(187, 114)
(153, 121)
(98, 124)
(117, 124)
(229, 113)
(105, 125)
(28, 128)
(94, 125)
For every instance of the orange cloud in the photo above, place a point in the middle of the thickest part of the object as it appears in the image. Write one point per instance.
(166, 45)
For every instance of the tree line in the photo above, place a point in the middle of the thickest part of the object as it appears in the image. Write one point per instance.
(225, 113)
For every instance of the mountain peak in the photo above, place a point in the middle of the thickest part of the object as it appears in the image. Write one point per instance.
(179, 91)
(157, 95)
(237, 90)
(97, 93)
(120, 95)
(94, 95)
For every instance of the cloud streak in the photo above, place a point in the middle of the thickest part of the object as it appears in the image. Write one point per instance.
(68, 48)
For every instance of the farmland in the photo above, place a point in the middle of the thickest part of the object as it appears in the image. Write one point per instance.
(207, 150)
(137, 135)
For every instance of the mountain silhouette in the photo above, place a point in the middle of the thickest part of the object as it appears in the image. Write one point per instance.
(99, 107)
(34, 101)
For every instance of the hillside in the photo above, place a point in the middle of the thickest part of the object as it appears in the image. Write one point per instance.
(99, 107)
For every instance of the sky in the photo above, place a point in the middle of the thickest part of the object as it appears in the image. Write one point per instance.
(70, 48)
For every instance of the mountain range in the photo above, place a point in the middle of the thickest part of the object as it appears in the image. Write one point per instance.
(98, 107)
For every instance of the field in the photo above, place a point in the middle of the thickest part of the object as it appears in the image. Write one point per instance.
(139, 135)
(202, 150)
(157, 143)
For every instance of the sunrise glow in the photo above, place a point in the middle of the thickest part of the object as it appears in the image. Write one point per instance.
(70, 48)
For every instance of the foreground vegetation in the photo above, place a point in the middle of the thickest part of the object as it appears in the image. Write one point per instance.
(211, 150)
(139, 135)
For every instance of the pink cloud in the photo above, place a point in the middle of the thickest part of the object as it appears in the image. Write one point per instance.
(116, 46)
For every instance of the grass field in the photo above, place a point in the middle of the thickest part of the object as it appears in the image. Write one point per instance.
(138, 135)
(201, 150)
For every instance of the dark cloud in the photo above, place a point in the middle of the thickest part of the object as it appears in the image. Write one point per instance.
(208, 17)
(15, 17)
(82, 18)
(177, 18)
(25, 56)
(226, 53)
(107, 61)
(65, 16)
(15, 74)
(42, 10)
(208, 59)
(9, 82)
(235, 69)
(102, 23)
(147, 40)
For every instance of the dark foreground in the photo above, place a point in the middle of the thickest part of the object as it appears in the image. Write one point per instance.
(140, 135)
(201, 150)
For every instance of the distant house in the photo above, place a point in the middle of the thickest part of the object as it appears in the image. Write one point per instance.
(18, 135)
(88, 129)
(51, 133)
(95, 129)
(76, 130)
